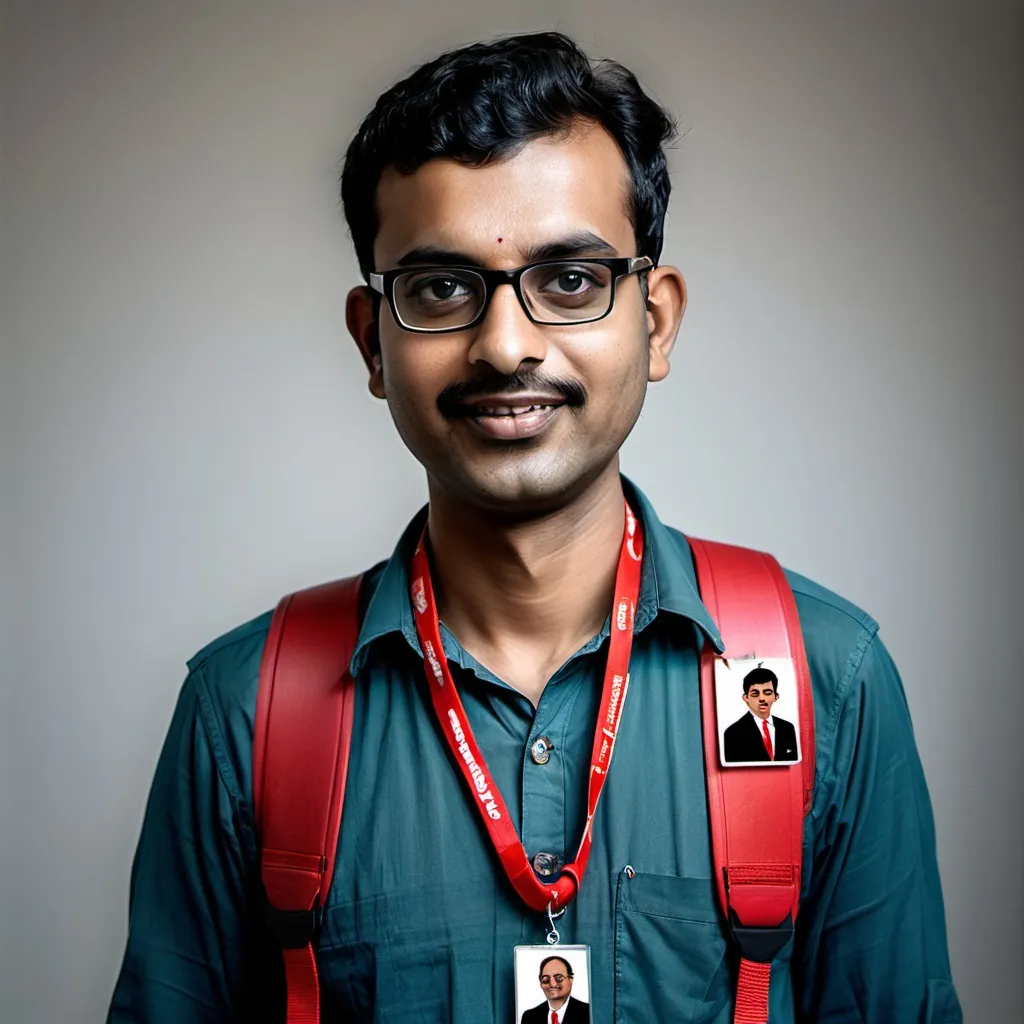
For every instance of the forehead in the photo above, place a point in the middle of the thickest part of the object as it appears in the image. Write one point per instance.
(554, 966)
(551, 188)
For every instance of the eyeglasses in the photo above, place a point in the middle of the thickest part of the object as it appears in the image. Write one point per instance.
(546, 979)
(437, 300)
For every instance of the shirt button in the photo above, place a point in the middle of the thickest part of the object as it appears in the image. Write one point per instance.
(545, 864)
(541, 749)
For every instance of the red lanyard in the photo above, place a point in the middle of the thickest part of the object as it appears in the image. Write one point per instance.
(455, 726)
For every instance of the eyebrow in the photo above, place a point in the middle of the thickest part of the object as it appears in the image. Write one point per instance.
(577, 245)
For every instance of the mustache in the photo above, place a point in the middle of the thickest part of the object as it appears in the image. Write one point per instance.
(453, 397)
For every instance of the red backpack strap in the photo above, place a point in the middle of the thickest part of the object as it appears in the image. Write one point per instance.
(756, 814)
(301, 745)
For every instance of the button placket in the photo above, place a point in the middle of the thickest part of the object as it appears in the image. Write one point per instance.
(544, 768)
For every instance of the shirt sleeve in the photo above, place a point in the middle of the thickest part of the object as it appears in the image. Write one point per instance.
(190, 935)
(872, 934)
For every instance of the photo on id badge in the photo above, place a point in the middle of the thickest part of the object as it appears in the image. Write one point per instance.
(552, 984)
(758, 717)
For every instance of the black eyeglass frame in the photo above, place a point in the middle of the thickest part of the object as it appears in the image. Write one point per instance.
(620, 266)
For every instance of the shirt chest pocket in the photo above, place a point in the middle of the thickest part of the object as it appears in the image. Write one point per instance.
(670, 962)
(399, 959)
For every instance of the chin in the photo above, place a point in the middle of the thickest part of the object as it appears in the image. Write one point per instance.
(520, 487)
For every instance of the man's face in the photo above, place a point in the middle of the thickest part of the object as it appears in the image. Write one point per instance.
(555, 981)
(760, 698)
(589, 379)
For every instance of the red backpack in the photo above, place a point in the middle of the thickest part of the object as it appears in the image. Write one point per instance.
(304, 730)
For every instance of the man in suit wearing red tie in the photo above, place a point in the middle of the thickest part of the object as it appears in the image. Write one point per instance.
(560, 1006)
(760, 735)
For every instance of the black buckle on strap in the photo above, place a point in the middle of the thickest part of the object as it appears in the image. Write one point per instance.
(293, 929)
(761, 945)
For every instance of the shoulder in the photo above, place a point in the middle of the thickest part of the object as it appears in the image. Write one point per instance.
(785, 731)
(838, 636)
(578, 1010)
(860, 708)
(229, 667)
(225, 676)
(837, 633)
(825, 616)
(238, 641)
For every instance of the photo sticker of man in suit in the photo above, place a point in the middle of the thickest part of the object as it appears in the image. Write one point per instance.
(759, 735)
(561, 1005)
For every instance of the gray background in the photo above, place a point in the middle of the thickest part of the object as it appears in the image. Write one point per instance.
(186, 432)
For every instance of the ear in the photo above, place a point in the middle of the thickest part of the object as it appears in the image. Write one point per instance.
(666, 301)
(362, 325)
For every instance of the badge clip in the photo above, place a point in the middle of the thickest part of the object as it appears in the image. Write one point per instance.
(553, 935)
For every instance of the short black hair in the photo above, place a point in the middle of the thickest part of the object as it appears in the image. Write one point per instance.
(758, 677)
(483, 101)
(548, 959)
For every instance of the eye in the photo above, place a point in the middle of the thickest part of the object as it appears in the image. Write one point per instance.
(570, 281)
(438, 289)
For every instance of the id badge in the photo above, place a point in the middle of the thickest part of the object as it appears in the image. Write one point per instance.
(552, 979)
(758, 712)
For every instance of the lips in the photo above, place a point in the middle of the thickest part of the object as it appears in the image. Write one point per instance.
(510, 410)
(508, 418)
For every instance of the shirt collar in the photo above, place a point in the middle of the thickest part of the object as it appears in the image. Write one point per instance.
(668, 583)
(668, 580)
(390, 610)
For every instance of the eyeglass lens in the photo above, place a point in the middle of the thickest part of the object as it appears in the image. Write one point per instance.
(553, 293)
(546, 979)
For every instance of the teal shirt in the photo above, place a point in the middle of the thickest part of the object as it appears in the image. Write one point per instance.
(420, 922)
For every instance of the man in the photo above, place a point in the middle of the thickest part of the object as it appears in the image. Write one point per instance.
(760, 735)
(559, 1006)
(514, 380)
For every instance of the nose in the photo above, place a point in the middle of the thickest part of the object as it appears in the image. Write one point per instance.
(507, 338)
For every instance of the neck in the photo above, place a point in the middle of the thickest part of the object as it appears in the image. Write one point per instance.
(522, 595)
(557, 1004)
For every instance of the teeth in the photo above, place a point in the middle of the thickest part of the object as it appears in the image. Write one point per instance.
(506, 410)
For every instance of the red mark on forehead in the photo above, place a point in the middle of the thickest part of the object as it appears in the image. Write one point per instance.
(500, 240)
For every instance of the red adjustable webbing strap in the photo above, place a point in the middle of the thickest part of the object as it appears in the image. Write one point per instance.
(756, 814)
(303, 733)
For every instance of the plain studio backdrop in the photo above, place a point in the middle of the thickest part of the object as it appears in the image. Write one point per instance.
(187, 434)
